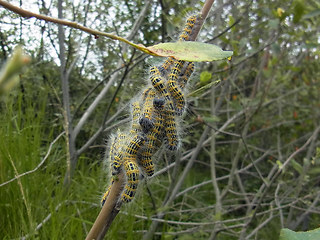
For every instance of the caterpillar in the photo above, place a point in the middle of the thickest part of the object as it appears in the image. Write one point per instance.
(127, 157)
(146, 120)
(159, 84)
(184, 77)
(188, 28)
(174, 89)
(131, 167)
(116, 152)
(149, 147)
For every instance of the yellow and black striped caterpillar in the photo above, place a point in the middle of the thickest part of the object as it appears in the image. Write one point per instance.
(185, 75)
(131, 167)
(159, 84)
(146, 120)
(173, 87)
(171, 132)
(188, 28)
(153, 136)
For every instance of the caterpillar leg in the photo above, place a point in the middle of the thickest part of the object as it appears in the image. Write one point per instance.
(132, 173)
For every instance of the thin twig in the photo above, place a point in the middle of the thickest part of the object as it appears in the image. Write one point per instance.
(38, 166)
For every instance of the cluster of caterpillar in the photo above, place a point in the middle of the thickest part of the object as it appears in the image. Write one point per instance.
(155, 116)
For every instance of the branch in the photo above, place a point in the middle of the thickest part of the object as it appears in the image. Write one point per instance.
(96, 33)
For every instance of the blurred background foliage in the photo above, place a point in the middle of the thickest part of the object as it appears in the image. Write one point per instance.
(268, 94)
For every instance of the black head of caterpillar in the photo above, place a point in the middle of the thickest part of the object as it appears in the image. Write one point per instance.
(159, 84)
(158, 103)
(146, 124)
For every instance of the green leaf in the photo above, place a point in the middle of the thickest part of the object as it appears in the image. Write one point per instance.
(296, 166)
(190, 51)
(273, 23)
(203, 88)
(287, 234)
(311, 14)
(211, 119)
(205, 77)
(298, 11)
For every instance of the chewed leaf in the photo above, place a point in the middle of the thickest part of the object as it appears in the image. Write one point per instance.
(190, 51)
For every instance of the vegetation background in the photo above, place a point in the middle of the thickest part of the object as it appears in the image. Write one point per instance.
(250, 160)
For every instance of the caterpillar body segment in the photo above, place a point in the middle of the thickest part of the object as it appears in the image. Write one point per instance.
(145, 159)
(188, 28)
(173, 87)
(132, 173)
(172, 140)
(133, 147)
(184, 76)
